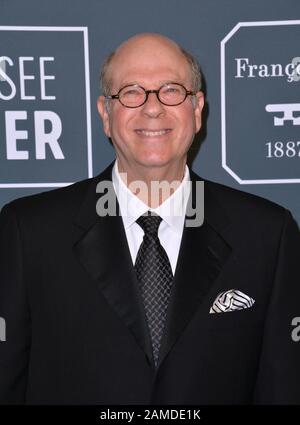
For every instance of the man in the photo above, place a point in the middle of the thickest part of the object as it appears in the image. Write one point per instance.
(137, 307)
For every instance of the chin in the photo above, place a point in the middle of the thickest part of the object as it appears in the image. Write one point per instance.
(153, 162)
(154, 157)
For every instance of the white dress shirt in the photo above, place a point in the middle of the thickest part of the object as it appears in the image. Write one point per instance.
(172, 211)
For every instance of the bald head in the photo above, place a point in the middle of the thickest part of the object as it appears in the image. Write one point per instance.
(151, 39)
(149, 46)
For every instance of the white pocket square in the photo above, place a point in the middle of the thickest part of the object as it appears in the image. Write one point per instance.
(230, 301)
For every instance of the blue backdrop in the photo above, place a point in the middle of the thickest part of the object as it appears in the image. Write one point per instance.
(50, 55)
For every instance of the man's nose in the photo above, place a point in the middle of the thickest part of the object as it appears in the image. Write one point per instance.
(153, 107)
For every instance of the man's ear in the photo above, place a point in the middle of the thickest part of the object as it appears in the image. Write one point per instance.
(104, 114)
(199, 103)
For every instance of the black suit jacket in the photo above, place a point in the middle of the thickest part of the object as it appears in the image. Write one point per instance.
(75, 325)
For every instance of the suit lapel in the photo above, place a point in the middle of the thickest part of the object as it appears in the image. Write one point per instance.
(103, 251)
(202, 254)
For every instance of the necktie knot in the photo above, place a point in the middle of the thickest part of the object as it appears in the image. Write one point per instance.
(149, 223)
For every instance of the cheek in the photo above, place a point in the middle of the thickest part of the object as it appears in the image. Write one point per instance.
(120, 124)
(188, 124)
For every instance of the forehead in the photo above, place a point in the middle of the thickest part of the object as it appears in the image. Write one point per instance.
(149, 62)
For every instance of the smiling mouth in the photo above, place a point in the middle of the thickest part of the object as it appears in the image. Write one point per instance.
(153, 133)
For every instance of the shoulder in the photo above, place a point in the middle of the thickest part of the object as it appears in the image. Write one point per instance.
(249, 218)
(233, 199)
(242, 208)
(61, 200)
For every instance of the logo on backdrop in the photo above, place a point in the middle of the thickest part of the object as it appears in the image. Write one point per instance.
(287, 110)
(45, 118)
(260, 81)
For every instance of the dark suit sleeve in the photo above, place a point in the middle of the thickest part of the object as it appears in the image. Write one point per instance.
(14, 351)
(279, 368)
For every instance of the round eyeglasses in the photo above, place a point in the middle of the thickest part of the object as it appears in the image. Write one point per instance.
(133, 95)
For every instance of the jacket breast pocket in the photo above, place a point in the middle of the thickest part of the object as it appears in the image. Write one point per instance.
(247, 317)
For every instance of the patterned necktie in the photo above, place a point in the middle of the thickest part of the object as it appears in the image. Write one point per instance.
(155, 278)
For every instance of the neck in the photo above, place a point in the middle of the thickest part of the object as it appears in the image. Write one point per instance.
(152, 185)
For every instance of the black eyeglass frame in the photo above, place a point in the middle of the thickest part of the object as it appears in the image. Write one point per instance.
(147, 92)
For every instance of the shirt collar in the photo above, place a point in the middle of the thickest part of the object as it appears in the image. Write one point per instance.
(172, 210)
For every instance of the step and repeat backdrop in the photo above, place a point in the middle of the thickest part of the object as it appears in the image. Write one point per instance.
(50, 56)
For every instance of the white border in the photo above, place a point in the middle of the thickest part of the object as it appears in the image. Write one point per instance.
(88, 100)
(223, 102)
